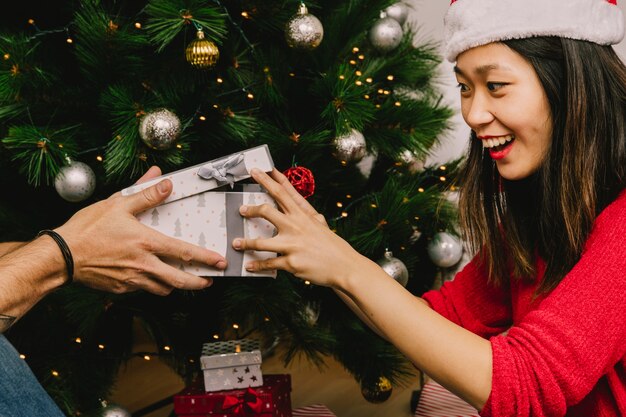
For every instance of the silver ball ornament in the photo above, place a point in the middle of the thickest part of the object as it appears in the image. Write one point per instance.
(303, 30)
(445, 250)
(160, 128)
(75, 182)
(386, 34)
(395, 268)
(350, 147)
(399, 12)
(411, 161)
(112, 410)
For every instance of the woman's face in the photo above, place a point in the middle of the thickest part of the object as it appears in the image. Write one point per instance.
(502, 100)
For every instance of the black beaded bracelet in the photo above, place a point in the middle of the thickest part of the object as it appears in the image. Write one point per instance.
(65, 251)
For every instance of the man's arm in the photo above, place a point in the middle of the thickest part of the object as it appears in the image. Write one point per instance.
(7, 247)
(28, 271)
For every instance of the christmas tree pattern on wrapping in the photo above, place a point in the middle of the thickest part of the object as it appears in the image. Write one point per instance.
(206, 226)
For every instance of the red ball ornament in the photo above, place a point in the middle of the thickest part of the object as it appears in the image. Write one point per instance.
(302, 180)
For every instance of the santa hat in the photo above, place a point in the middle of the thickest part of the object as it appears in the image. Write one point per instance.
(470, 23)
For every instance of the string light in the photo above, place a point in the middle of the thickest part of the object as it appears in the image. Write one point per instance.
(442, 179)
(55, 374)
(358, 82)
(358, 73)
(355, 49)
(250, 96)
(146, 357)
(390, 77)
(369, 80)
(421, 190)
(348, 195)
(203, 118)
(78, 340)
(373, 205)
(167, 348)
(6, 56)
(179, 146)
(342, 77)
(69, 40)
(245, 14)
(215, 106)
(100, 347)
(22, 356)
(138, 25)
(352, 62)
(219, 80)
(307, 282)
(31, 21)
(443, 167)
(216, 336)
(344, 214)
(266, 319)
(361, 57)
(99, 158)
(292, 74)
(380, 91)
(366, 96)
(235, 326)
(339, 204)
(398, 104)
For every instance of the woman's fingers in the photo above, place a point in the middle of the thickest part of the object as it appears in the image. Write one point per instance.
(264, 211)
(274, 189)
(266, 245)
(278, 176)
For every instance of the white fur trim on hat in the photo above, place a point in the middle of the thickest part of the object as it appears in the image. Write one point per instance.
(470, 23)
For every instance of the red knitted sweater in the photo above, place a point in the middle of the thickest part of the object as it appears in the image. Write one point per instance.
(564, 353)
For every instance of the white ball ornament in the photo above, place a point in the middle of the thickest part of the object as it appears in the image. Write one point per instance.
(160, 128)
(303, 30)
(350, 147)
(399, 12)
(395, 268)
(386, 34)
(75, 181)
(445, 250)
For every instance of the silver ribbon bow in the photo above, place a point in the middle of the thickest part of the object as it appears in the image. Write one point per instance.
(224, 171)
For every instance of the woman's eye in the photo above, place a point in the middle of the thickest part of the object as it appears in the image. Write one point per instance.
(495, 86)
(463, 87)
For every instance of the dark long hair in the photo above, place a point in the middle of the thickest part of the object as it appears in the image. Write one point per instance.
(551, 213)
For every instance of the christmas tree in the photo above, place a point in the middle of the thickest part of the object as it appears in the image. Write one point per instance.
(338, 90)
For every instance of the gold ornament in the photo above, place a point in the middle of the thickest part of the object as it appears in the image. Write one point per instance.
(378, 392)
(202, 53)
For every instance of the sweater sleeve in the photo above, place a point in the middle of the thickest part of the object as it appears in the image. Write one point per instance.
(554, 357)
(472, 303)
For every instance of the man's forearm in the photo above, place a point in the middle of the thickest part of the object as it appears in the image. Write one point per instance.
(8, 247)
(28, 272)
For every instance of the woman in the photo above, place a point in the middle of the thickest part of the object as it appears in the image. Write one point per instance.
(536, 323)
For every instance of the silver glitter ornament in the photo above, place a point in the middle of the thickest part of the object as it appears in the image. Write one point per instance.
(112, 410)
(159, 129)
(75, 181)
(395, 268)
(413, 164)
(386, 34)
(444, 250)
(399, 12)
(303, 30)
(350, 147)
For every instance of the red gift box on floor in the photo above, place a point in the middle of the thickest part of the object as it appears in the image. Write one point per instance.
(272, 399)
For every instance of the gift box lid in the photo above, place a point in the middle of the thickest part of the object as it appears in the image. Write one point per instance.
(194, 399)
(230, 353)
(211, 174)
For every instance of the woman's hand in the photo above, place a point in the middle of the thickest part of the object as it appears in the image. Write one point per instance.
(114, 252)
(306, 246)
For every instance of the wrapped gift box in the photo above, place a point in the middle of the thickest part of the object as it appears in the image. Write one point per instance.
(231, 364)
(272, 399)
(211, 219)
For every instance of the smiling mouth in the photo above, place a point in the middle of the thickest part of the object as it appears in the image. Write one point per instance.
(497, 144)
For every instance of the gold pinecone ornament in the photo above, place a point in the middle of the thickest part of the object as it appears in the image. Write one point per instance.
(201, 53)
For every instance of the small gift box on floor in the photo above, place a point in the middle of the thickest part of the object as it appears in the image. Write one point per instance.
(272, 399)
(231, 364)
(196, 213)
